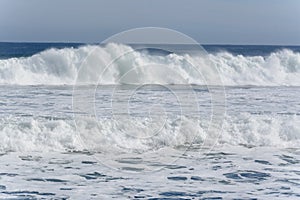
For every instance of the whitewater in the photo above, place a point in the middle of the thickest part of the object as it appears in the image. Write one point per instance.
(61, 67)
(116, 121)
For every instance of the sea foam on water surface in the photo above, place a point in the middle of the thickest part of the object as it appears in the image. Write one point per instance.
(124, 135)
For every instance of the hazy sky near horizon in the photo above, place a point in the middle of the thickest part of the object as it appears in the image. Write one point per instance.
(207, 21)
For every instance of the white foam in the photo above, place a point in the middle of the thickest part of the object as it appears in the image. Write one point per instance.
(61, 66)
(124, 134)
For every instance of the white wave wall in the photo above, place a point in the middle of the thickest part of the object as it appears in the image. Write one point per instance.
(61, 66)
(115, 135)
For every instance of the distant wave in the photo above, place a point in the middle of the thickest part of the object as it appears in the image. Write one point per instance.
(29, 134)
(61, 66)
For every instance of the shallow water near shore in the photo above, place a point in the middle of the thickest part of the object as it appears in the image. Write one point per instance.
(227, 172)
(256, 154)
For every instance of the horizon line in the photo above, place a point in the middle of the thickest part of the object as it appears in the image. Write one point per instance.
(78, 42)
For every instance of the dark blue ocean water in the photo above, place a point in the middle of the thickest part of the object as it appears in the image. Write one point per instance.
(8, 49)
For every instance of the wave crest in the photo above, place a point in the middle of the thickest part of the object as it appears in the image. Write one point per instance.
(115, 135)
(61, 66)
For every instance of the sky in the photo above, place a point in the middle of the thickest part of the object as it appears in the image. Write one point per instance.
(207, 21)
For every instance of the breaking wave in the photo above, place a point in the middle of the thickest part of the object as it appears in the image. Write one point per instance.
(61, 66)
(29, 134)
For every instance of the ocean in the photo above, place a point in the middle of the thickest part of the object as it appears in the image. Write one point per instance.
(91, 121)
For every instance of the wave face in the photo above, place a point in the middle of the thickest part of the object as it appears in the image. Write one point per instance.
(122, 134)
(61, 66)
